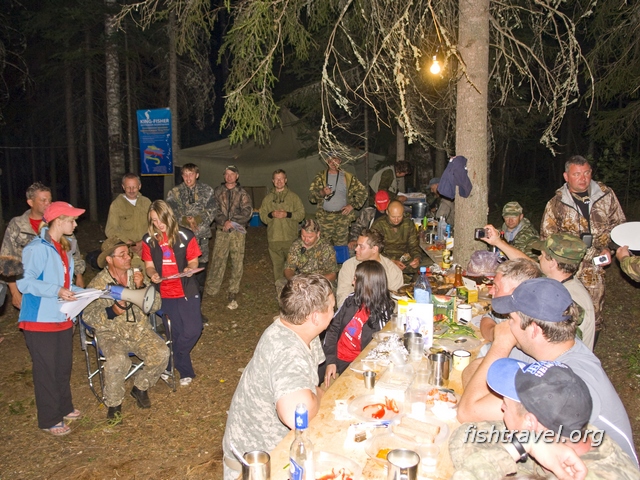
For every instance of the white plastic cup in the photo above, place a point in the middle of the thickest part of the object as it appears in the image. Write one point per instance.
(464, 313)
(461, 359)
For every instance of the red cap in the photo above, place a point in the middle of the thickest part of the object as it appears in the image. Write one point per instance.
(56, 209)
(382, 200)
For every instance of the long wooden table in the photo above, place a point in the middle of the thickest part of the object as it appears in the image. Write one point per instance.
(329, 434)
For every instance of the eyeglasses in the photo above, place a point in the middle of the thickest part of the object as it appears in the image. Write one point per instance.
(122, 255)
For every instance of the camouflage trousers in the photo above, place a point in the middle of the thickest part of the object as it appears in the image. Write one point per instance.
(147, 346)
(278, 252)
(227, 245)
(335, 226)
(592, 277)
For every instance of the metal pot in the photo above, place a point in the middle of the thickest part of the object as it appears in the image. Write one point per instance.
(418, 210)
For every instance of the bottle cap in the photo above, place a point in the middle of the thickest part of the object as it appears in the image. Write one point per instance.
(423, 269)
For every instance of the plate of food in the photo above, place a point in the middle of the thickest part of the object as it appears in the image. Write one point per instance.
(330, 466)
(381, 351)
(427, 431)
(378, 446)
(374, 407)
(361, 366)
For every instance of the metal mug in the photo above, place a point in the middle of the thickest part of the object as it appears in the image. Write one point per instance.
(409, 335)
(439, 365)
(258, 466)
(403, 464)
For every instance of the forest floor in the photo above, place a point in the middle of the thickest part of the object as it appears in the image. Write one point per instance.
(180, 436)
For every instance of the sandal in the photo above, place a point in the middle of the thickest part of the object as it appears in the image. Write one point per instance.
(58, 430)
(75, 415)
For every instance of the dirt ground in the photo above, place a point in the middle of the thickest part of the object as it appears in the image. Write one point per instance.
(180, 436)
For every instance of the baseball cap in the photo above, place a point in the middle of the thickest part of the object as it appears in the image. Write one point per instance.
(512, 209)
(552, 391)
(382, 200)
(434, 181)
(108, 247)
(562, 247)
(540, 298)
(55, 209)
(233, 168)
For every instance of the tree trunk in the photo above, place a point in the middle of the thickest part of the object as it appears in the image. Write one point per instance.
(133, 158)
(441, 154)
(471, 123)
(72, 153)
(400, 153)
(169, 181)
(91, 155)
(114, 122)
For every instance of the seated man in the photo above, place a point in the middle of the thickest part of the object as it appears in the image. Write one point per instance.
(309, 254)
(367, 216)
(560, 258)
(400, 238)
(370, 247)
(122, 328)
(542, 324)
(546, 401)
(282, 373)
(518, 230)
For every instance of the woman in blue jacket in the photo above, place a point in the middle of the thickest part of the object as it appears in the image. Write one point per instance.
(362, 314)
(47, 278)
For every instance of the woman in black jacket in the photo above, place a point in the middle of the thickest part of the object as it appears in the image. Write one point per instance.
(362, 314)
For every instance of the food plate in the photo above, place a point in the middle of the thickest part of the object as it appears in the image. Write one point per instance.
(362, 366)
(327, 464)
(382, 442)
(627, 234)
(357, 405)
(442, 436)
(384, 336)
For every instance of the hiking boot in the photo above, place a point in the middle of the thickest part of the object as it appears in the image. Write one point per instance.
(114, 412)
(232, 301)
(141, 396)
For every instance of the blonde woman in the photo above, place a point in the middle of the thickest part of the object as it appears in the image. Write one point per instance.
(47, 278)
(168, 249)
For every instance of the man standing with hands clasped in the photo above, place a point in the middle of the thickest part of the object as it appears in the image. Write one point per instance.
(589, 210)
(281, 211)
(232, 214)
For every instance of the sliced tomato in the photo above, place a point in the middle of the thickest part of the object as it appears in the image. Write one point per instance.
(376, 410)
(391, 405)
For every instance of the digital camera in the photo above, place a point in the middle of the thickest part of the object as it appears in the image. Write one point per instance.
(479, 233)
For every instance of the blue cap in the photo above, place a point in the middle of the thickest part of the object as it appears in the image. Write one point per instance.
(540, 298)
(552, 391)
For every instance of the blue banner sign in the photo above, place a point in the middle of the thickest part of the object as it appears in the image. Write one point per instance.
(154, 134)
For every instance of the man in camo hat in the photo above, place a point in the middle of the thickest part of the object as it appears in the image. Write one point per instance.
(518, 230)
(560, 257)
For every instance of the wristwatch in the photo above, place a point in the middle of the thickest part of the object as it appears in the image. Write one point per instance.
(523, 453)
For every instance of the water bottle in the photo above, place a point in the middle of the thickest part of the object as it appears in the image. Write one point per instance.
(422, 288)
(301, 451)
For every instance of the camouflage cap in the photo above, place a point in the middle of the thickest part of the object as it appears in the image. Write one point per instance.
(562, 247)
(512, 209)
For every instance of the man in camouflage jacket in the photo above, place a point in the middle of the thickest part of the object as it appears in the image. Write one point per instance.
(337, 194)
(401, 242)
(518, 230)
(193, 204)
(589, 210)
(232, 214)
(121, 328)
(22, 229)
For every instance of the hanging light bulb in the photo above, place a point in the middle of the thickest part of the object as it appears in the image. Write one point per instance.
(435, 66)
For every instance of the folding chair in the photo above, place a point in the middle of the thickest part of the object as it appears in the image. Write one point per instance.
(90, 344)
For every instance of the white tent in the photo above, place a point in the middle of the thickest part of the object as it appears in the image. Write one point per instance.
(256, 164)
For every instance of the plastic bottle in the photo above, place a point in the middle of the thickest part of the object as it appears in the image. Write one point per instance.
(422, 288)
(442, 227)
(301, 465)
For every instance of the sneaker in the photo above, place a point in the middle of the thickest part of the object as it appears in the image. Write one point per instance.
(232, 305)
(166, 375)
(186, 381)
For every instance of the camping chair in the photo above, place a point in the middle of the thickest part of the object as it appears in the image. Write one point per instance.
(90, 344)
